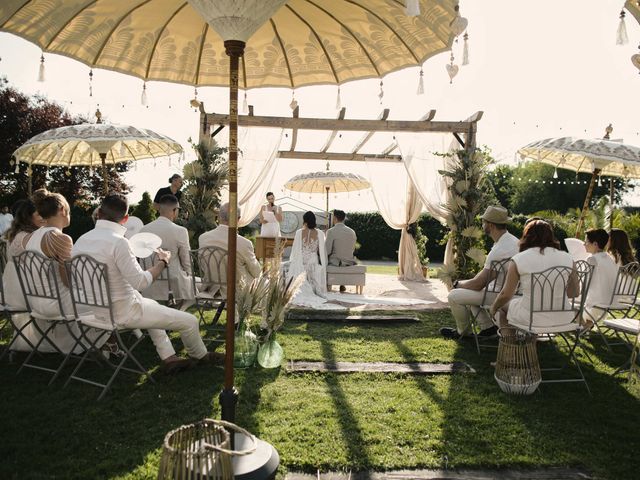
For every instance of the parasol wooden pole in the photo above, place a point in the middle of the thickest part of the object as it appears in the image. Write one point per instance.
(587, 200)
(105, 179)
(611, 191)
(327, 189)
(229, 394)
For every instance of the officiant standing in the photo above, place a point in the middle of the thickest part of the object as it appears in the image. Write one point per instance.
(270, 217)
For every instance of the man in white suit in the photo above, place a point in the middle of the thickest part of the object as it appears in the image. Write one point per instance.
(247, 264)
(175, 239)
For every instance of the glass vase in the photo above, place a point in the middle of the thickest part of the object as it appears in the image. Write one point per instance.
(246, 348)
(270, 353)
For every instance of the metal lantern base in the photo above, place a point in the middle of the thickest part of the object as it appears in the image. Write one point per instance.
(259, 465)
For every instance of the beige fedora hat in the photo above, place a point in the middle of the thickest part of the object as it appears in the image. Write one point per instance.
(496, 214)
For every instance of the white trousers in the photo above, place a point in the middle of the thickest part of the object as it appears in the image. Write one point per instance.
(157, 318)
(460, 299)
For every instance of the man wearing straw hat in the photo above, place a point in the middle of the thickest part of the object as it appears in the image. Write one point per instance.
(468, 294)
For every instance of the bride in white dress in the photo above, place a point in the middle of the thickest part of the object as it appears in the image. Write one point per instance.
(308, 256)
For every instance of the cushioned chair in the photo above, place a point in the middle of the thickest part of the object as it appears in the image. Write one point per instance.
(351, 275)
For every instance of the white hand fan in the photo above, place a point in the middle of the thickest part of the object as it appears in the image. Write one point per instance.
(144, 244)
(133, 226)
(576, 249)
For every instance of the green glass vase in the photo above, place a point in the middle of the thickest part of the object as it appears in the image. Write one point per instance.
(246, 348)
(270, 353)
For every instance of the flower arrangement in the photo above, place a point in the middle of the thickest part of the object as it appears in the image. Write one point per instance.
(280, 291)
(470, 193)
(249, 300)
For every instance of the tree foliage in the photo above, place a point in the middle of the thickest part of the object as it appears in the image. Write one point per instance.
(144, 209)
(23, 116)
(204, 179)
(527, 188)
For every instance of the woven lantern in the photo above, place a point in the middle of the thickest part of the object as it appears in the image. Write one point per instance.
(517, 365)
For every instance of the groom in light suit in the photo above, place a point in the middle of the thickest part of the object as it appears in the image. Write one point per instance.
(340, 243)
(175, 239)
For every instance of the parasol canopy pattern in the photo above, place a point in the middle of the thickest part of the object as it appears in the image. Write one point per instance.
(82, 145)
(584, 155)
(306, 42)
(321, 182)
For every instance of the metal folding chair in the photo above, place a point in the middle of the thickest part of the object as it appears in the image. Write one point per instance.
(548, 297)
(8, 326)
(497, 276)
(623, 302)
(209, 280)
(164, 279)
(89, 285)
(39, 280)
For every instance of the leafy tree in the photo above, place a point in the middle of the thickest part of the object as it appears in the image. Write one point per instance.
(144, 210)
(22, 117)
(204, 179)
(531, 187)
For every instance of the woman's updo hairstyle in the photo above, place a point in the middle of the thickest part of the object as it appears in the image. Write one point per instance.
(48, 203)
(310, 219)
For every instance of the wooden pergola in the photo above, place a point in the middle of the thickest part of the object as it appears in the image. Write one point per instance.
(464, 131)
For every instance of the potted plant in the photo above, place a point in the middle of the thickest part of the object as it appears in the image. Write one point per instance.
(249, 300)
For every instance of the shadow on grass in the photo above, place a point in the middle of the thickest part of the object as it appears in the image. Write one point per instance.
(51, 432)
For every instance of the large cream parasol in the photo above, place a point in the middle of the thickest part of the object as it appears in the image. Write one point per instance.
(95, 145)
(290, 43)
(327, 183)
(598, 157)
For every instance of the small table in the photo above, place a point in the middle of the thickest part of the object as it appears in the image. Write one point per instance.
(266, 248)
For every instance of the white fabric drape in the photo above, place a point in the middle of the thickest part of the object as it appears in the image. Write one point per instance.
(257, 160)
(399, 205)
(422, 165)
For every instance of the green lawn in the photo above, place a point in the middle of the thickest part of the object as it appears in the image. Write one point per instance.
(332, 422)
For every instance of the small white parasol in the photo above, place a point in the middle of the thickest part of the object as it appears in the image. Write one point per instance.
(144, 244)
(133, 226)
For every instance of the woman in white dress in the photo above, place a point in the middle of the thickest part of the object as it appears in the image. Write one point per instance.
(619, 247)
(603, 278)
(270, 217)
(308, 256)
(539, 251)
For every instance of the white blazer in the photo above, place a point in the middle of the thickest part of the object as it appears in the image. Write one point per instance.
(175, 239)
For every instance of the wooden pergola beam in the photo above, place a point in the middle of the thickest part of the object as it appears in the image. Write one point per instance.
(346, 125)
(331, 156)
(367, 136)
(333, 134)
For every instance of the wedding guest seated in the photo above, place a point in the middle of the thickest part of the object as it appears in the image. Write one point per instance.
(340, 243)
(25, 221)
(603, 278)
(5, 219)
(247, 266)
(175, 239)
(619, 247)
(539, 251)
(48, 240)
(469, 293)
(106, 244)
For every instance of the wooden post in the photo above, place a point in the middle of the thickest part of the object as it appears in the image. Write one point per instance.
(105, 178)
(229, 394)
(327, 188)
(587, 200)
(611, 191)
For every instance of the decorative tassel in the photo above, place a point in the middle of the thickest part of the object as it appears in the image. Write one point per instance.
(143, 98)
(123, 151)
(621, 36)
(555, 173)
(41, 69)
(465, 50)
(17, 170)
(412, 8)
(91, 83)
(381, 94)
(245, 104)
(294, 102)
(421, 84)
(452, 69)
(338, 100)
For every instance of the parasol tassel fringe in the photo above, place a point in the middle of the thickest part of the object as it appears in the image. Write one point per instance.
(421, 84)
(17, 170)
(144, 100)
(412, 8)
(338, 100)
(621, 34)
(41, 69)
(245, 103)
(465, 50)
